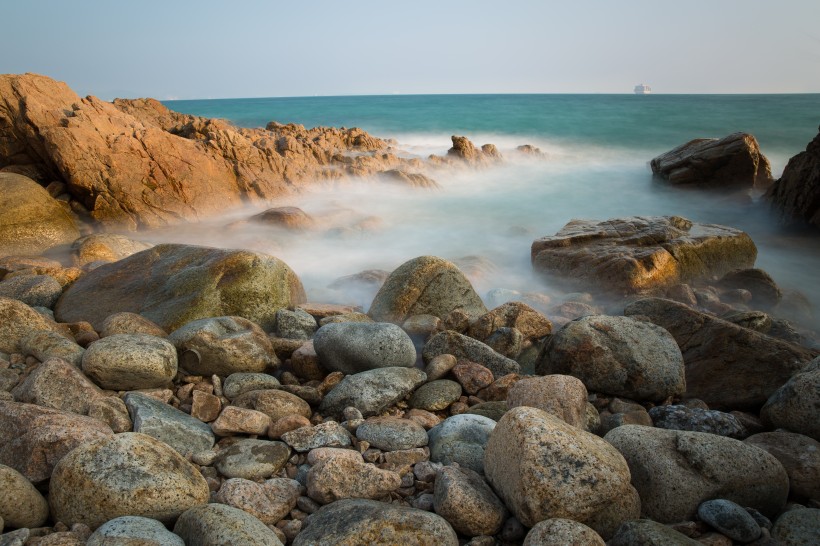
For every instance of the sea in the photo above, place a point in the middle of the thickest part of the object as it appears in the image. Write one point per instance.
(595, 166)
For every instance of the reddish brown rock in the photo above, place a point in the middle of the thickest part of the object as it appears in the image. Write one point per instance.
(205, 407)
(472, 376)
(235, 420)
(514, 314)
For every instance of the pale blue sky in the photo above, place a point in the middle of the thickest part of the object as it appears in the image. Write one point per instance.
(252, 48)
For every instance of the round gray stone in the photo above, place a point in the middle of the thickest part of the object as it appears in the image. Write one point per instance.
(223, 525)
(125, 362)
(296, 324)
(133, 530)
(729, 519)
(392, 433)
(352, 347)
(461, 439)
(436, 395)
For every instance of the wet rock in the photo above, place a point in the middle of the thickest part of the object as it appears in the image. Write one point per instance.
(269, 501)
(222, 346)
(179, 430)
(223, 525)
(698, 420)
(352, 347)
(392, 433)
(274, 403)
(641, 253)
(17, 322)
(425, 286)
(57, 384)
(126, 530)
(21, 505)
(371, 391)
(729, 519)
(130, 323)
(759, 364)
(794, 197)
(361, 521)
(152, 480)
(461, 439)
(674, 471)
(463, 498)
(764, 290)
(436, 395)
(252, 459)
(732, 162)
(242, 382)
(328, 434)
(33, 290)
(467, 348)
(798, 527)
(33, 439)
(646, 531)
(563, 396)
(544, 468)
(45, 344)
(338, 478)
(233, 420)
(130, 362)
(800, 457)
(31, 221)
(560, 531)
(183, 287)
(794, 405)
(296, 324)
(616, 355)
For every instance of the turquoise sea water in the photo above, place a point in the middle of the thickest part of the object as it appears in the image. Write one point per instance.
(597, 147)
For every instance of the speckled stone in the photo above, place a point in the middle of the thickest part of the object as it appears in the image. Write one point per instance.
(461, 439)
(21, 505)
(436, 395)
(730, 519)
(133, 530)
(223, 525)
(392, 433)
(252, 459)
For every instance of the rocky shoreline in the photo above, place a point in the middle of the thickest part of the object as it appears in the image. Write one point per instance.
(175, 394)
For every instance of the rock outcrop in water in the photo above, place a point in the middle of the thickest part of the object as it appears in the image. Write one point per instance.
(732, 162)
(641, 253)
(796, 195)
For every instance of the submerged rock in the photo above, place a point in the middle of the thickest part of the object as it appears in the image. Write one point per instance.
(641, 253)
(185, 283)
(732, 162)
(795, 197)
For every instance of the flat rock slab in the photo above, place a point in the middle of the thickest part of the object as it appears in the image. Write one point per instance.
(641, 254)
(175, 284)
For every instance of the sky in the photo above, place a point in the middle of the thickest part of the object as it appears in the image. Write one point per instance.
(184, 49)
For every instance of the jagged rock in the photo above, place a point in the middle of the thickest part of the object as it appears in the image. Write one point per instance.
(727, 366)
(641, 253)
(764, 290)
(412, 180)
(185, 283)
(31, 221)
(796, 195)
(734, 161)
(425, 286)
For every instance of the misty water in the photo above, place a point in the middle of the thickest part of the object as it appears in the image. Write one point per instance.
(595, 166)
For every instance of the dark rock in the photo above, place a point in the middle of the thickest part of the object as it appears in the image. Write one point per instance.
(794, 406)
(796, 196)
(729, 519)
(697, 420)
(765, 292)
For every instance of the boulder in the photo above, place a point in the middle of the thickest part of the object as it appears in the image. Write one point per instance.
(371, 391)
(17, 322)
(641, 254)
(797, 527)
(46, 344)
(559, 532)
(33, 290)
(764, 291)
(425, 286)
(352, 347)
(126, 530)
(105, 247)
(461, 439)
(732, 162)
(33, 439)
(674, 471)
(269, 501)
(130, 362)
(21, 505)
(463, 498)
(727, 366)
(620, 356)
(514, 314)
(58, 385)
(164, 422)
(222, 346)
(350, 522)
(800, 457)
(290, 218)
(795, 197)
(646, 531)
(185, 283)
(464, 347)
(151, 480)
(343, 478)
(223, 525)
(794, 406)
(563, 396)
(31, 221)
(544, 468)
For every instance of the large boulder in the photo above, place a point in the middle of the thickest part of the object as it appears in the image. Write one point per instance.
(544, 468)
(31, 221)
(352, 347)
(21, 505)
(620, 356)
(794, 406)
(175, 284)
(674, 471)
(349, 522)
(130, 361)
(796, 196)
(727, 366)
(17, 322)
(130, 474)
(425, 286)
(641, 253)
(799, 455)
(732, 162)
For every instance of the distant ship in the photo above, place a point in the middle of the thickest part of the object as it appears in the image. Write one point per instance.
(642, 89)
